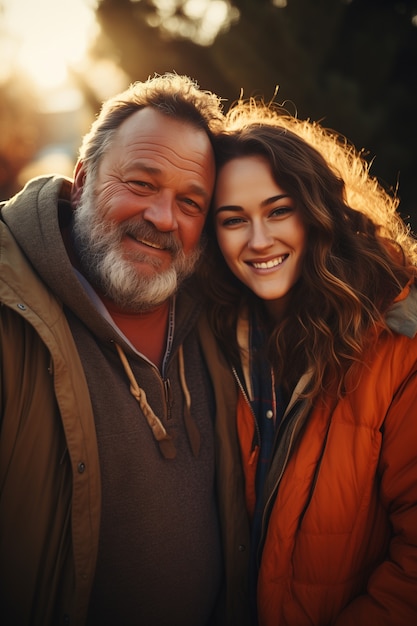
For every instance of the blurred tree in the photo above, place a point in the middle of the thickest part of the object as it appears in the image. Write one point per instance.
(352, 64)
(19, 132)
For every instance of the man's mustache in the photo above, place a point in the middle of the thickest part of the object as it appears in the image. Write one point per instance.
(147, 232)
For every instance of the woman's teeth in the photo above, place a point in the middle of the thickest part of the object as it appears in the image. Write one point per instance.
(266, 265)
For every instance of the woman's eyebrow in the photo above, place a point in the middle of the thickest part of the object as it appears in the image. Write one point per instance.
(274, 199)
(264, 203)
(228, 207)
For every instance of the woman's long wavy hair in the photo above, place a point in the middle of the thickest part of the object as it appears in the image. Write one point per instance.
(358, 258)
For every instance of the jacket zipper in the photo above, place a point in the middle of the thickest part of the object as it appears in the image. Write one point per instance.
(255, 422)
(168, 353)
(168, 396)
(269, 501)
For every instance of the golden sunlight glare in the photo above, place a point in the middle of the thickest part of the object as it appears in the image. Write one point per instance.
(47, 37)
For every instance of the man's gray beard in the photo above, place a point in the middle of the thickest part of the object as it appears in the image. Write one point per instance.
(98, 246)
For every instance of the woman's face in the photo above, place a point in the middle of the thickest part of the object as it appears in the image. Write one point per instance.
(259, 228)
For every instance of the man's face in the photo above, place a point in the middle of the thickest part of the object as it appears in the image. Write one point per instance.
(138, 224)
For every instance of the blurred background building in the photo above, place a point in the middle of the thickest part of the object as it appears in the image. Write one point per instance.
(350, 64)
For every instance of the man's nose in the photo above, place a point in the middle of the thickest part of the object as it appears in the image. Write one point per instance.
(161, 212)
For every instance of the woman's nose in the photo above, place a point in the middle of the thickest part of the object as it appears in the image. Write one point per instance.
(260, 237)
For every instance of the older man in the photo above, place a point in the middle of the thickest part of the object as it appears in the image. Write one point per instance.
(107, 499)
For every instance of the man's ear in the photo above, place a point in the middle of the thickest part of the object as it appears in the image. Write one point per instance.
(78, 183)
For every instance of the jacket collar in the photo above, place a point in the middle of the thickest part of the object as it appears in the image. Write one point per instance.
(402, 315)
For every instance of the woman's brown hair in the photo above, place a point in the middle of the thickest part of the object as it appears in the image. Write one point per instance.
(359, 253)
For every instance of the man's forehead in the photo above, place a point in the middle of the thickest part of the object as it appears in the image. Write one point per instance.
(150, 122)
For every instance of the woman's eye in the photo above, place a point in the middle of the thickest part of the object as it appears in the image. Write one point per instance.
(232, 221)
(281, 211)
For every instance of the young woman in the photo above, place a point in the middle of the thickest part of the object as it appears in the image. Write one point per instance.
(314, 308)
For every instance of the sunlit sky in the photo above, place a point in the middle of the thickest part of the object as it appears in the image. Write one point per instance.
(45, 37)
(44, 57)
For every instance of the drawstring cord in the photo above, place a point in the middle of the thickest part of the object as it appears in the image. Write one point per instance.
(166, 444)
(193, 433)
(165, 441)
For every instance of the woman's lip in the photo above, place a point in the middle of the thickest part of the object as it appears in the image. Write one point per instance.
(269, 263)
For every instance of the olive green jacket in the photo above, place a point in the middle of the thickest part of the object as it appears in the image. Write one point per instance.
(44, 376)
(49, 533)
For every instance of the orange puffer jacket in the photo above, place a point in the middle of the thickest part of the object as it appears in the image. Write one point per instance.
(340, 522)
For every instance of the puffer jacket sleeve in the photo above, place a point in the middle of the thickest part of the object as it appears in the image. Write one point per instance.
(391, 598)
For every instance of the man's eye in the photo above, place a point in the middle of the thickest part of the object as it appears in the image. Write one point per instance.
(191, 205)
(139, 184)
(190, 202)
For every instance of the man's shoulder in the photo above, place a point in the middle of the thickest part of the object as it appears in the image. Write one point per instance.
(39, 191)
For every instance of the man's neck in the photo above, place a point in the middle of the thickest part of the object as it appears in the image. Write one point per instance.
(146, 331)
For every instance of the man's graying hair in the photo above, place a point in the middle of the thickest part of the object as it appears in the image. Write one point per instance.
(172, 95)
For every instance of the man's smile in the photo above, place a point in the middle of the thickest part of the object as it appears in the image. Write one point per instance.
(150, 244)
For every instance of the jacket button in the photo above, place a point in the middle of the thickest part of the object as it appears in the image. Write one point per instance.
(81, 467)
(242, 548)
